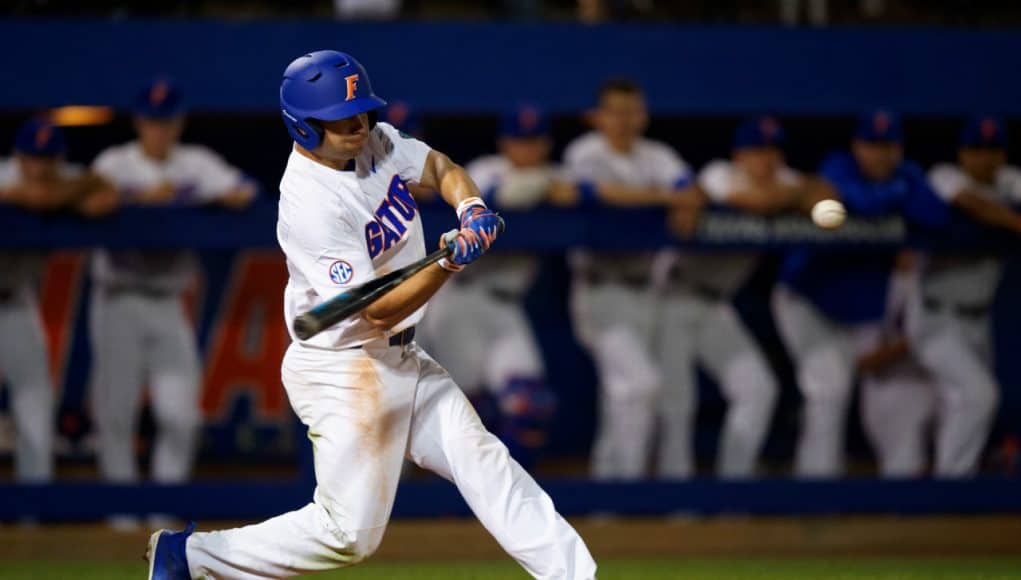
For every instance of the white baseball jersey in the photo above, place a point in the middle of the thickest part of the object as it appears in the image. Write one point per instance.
(650, 163)
(199, 176)
(722, 272)
(963, 279)
(20, 268)
(341, 229)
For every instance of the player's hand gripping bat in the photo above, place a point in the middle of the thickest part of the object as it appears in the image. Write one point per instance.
(357, 299)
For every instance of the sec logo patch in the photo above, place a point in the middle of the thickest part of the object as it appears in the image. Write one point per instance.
(341, 272)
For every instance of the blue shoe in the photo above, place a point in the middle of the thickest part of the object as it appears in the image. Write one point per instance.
(166, 554)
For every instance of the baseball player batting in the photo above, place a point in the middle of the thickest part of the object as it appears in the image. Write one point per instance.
(368, 393)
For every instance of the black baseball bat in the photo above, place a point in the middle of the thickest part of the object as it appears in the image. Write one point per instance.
(357, 299)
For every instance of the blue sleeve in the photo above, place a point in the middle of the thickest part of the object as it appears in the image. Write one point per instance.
(922, 206)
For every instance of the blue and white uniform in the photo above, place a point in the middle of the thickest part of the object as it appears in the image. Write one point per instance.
(614, 307)
(828, 307)
(949, 322)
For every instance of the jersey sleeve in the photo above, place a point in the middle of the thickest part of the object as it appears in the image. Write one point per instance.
(8, 173)
(580, 163)
(672, 170)
(330, 254)
(409, 153)
(216, 177)
(1010, 184)
(717, 180)
(105, 165)
(947, 181)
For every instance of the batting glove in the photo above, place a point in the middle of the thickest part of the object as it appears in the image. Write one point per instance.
(466, 246)
(475, 216)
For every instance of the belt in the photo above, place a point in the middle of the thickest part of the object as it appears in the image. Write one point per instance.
(504, 295)
(965, 310)
(403, 337)
(633, 281)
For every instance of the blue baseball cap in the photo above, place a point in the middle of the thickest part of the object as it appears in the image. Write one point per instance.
(523, 122)
(402, 117)
(984, 131)
(880, 126)
(764, 131)
(40, 138)
(160, 99)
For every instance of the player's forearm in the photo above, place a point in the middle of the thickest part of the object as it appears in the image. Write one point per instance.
(405, 299)
(988, 211)
(456, 186)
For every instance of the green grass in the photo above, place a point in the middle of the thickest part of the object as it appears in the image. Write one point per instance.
(697, 569)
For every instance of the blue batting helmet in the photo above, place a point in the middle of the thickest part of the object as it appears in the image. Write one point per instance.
(325, 85)
(40, 138)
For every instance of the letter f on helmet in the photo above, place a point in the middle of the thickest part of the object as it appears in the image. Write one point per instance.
(352, 86)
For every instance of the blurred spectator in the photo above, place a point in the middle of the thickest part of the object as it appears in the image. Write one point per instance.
(38, 179)
(829, 307)
(403, 117)
(613, 305)
(898, 400)
(141, 335)
(367, 9)
(596, 11)
(950, 324)
(501, 356)
(698, 324)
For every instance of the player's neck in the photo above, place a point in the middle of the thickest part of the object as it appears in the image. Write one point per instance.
(336, 164)
(623, 146)
(156, 154)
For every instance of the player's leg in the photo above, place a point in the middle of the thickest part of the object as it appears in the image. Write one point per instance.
(448, 438)
(23, 362)
(357, 405)
(174, 372)
(678, 398)
(515, 371)
(968, 395)
(734, 359)
(615, 322)
(897, 407)
(823, 354)
(116, 382)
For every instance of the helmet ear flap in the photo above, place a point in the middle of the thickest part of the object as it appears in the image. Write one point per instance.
(306, 132)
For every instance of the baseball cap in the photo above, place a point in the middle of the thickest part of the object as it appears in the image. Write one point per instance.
(984, 131)
(524, 121)
(880, 126)
(764, 131)
(40, 138)
(160, 99)
(402, 117)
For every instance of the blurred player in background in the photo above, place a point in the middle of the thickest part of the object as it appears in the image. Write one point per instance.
(950, 325)
(141, 335)
(477, 326)
(37, 178)
(613, 304)
(829, 307)
(897, 393)
(699, 325)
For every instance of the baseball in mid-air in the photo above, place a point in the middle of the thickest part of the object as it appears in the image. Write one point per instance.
(829, 214)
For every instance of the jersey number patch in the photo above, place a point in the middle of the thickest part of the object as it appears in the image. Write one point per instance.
(392, 218)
